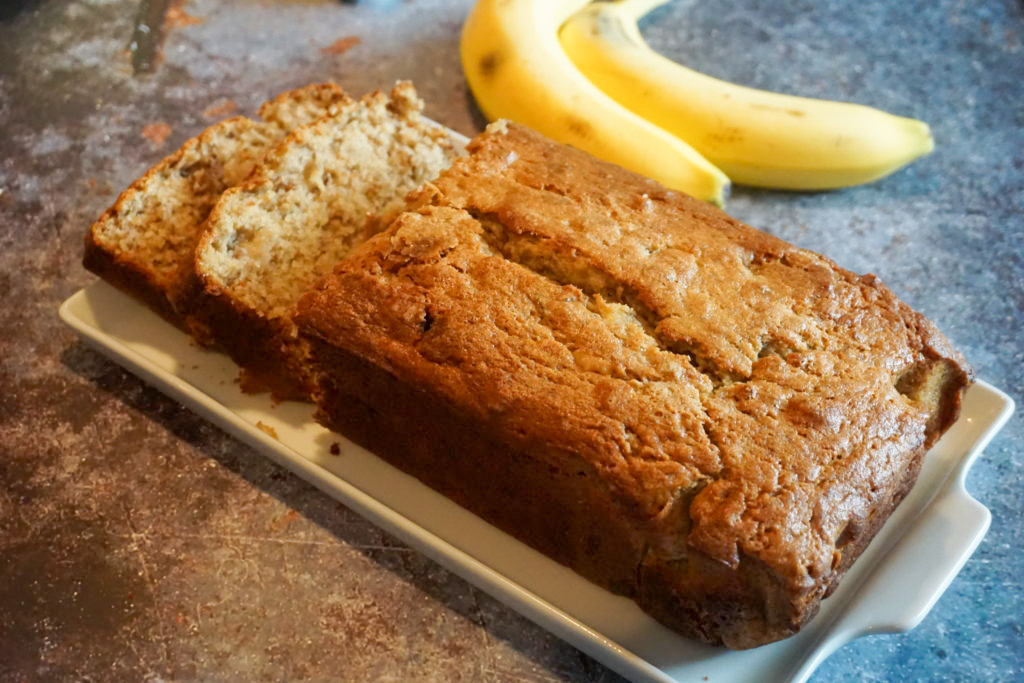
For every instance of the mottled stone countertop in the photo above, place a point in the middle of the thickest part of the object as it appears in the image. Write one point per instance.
(138, 541)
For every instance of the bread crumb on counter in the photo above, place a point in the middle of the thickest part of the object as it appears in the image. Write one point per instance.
(265, 428)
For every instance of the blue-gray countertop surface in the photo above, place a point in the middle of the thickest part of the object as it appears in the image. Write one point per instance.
(138, 541)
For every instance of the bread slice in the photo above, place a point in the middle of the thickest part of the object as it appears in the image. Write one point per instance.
(145, 243)
(309, 201)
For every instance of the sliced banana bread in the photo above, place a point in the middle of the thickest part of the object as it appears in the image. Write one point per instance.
(145, 243)
(307, 203)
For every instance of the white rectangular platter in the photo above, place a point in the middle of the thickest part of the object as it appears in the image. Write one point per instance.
(890, 588)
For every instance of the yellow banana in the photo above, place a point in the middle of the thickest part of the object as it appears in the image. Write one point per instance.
(756, 137)
(518, 71)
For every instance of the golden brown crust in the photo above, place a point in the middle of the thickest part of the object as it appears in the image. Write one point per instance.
(454, 453)
(129, 277)
(266, 349)
(747, 413)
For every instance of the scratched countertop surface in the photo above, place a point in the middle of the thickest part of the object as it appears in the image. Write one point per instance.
(138, 541)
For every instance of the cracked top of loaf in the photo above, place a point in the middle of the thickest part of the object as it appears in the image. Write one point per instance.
(740, 396)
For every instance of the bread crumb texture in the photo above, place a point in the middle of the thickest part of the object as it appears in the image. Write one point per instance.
(312, 198)
(742, 398)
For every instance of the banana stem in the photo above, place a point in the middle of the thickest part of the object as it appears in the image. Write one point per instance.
(636, 9)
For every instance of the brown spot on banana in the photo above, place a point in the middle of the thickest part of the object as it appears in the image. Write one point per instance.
(578, 126)
(726, 135)
(784, 110)
(490, 63)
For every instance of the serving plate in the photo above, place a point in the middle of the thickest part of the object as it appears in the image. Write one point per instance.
(890, 588)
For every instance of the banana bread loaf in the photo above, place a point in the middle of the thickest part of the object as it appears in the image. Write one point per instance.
(681, 408)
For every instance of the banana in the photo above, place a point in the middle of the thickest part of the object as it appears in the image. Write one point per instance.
(757, 137)
(517, 70)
